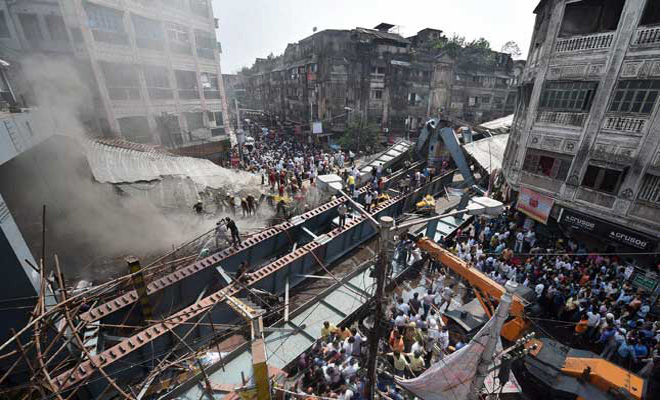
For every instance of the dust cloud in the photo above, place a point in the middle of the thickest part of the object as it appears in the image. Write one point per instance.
(92, 226)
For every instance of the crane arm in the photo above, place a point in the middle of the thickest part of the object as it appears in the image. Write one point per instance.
(475, 277)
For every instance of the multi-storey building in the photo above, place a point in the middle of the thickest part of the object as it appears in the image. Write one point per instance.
(379, 77)
(586, 130)
(153, 66)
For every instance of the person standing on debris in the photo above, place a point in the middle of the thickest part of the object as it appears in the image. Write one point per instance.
(220, 233)
(368, 199)
(281, 209)
(235, 236)
(231, 204)
(351, 184)
(342, 209)
(252, 207)
(244, 207)
(198, 208)
(242, 271)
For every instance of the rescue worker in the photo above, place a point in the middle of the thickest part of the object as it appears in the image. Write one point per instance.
(342, 209)
(235, 236)
(252, 206)
(198, 208)
(244, 207)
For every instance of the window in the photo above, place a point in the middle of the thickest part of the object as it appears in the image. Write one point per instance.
(412, 99)
(215, 116)
(377, 94)
(591, 16)
(56, 28)
(426, 74)
(210, 85)
(378, 70)
(31, 30)
(195, 120)
(650, 190)
(568, 96)
(148, 33)
(4, 28)
(603, 179)
(549, 164)
(199, 7)
(206, 44)
(107, 25)
(136, 129)
(472, 101)
(186, 82)
(104, 19)
(485, 99)
(635, 96)
(179, 38)
(121, 80)
(313, 67)
(651, 14)
(158, 82)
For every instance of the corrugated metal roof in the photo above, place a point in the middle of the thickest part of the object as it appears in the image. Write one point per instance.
(500, 125)
(383, 35)
(488, 152)
(114, 164)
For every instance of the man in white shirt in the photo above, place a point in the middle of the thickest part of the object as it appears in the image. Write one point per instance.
(538, 289)
(447, 294)
(520, 238)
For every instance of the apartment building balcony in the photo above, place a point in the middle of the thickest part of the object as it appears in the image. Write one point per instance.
(646, 211)
(626, 125)
(160, 93)
(212, 94)
(597, 41)
(562, 118)
(595, 197)
(188, 94)
(647, 36)
(116, 38)
(540, 182)
(123, 93)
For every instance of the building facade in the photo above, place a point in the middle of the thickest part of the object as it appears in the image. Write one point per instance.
(378, 77)
(152, 66)
(586, 128)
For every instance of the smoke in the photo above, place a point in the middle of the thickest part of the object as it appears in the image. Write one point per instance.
(61, 90)
(92, 225)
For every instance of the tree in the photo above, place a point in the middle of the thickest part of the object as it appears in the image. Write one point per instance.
(358, 136)
(479, 44)
(511, 48)
(451, 46)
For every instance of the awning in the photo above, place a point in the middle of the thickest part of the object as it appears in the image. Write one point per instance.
(488, 152)
(500, 125)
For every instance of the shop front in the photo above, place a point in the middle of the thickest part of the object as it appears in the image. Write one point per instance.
(620, 237)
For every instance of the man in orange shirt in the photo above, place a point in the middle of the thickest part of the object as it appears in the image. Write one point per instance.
(581, 328)
(396, 341)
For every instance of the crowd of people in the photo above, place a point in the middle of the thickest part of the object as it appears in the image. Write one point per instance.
(588, 293)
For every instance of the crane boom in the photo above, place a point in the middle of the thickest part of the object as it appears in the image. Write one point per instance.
(514, 328)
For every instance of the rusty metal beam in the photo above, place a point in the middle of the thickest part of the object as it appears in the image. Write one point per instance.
(130, 297)
(110, 356)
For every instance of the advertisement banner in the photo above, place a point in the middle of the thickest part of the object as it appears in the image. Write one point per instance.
(606, 230)
(535, 205)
